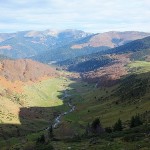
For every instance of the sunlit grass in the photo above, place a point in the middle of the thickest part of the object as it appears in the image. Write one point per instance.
(139, 67)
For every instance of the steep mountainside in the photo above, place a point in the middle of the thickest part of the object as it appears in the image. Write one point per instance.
(15, 74)
(138, 50)
(85, 63)
(24, 70)
(104, 68)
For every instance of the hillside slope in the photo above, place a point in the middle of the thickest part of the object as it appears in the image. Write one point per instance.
(24, 70)
(16, 77)
(119, 91)
(109, 65)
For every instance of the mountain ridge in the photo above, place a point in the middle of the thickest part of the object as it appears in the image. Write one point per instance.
(57, 45)
(75, 49)
(28, 43)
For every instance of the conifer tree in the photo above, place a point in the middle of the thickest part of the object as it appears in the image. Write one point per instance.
(135, 121)
(118, 125)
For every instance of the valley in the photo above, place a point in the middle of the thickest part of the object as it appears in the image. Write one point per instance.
(96, 81)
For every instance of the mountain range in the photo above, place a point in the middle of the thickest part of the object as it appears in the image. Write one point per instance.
(53, 45)
(30, 43)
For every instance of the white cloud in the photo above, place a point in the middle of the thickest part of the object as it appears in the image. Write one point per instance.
(92, 15)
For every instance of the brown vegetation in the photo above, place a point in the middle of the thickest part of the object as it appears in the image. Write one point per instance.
(110, 74)
(25, 70)
(14, 74)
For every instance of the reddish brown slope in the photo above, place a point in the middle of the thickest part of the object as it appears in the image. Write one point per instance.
(24, 70)
(110, 74)
(15, 74)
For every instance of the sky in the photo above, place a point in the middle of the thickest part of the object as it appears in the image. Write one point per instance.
(88, 15)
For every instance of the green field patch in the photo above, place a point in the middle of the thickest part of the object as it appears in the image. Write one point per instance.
(139, 67)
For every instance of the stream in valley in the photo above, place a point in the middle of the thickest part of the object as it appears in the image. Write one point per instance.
(57, 120)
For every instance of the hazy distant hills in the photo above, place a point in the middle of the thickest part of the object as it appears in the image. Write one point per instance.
(29, 43)
(90, 44)
(54, 45)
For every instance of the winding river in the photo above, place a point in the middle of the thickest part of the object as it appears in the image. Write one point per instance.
(57, 120)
